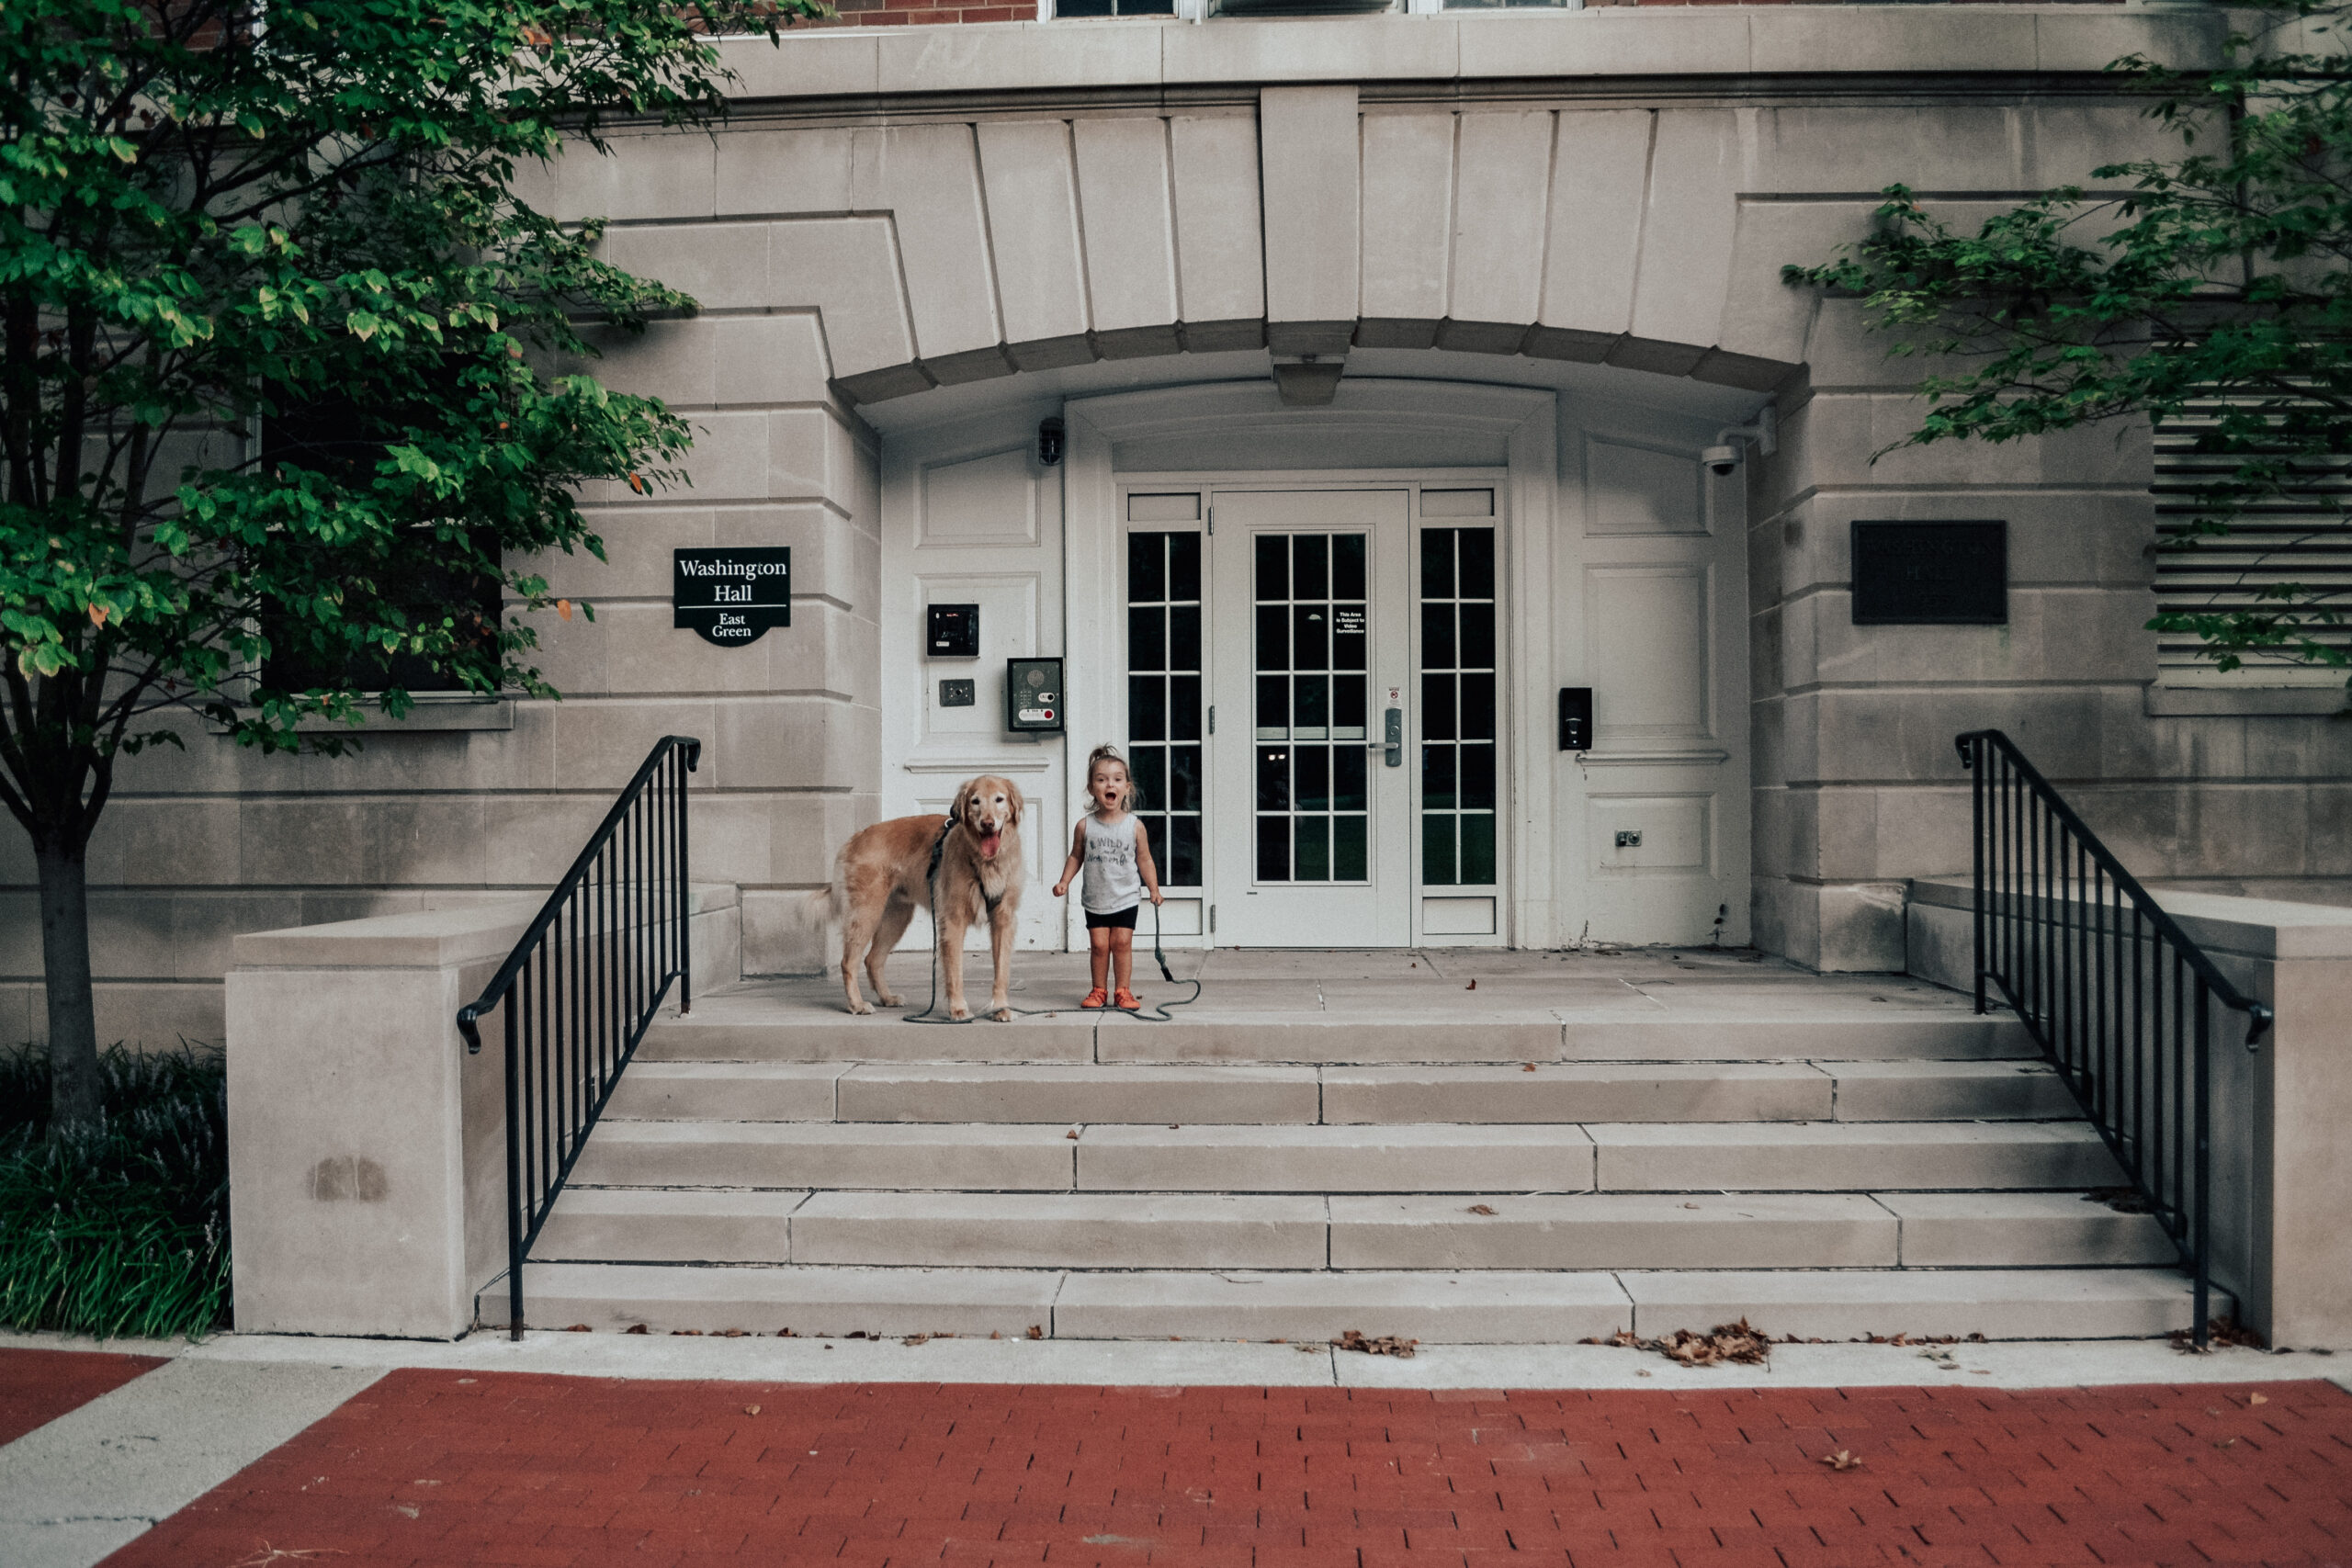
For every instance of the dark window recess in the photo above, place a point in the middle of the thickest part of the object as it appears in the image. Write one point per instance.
(1164, 697)
(1458, 706)
(1114, 8)
(331, 437)
(1313, 635)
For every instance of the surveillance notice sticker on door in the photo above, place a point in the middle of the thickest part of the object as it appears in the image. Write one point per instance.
(731, 593)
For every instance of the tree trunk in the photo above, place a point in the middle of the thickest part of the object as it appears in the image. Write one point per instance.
(65, 967)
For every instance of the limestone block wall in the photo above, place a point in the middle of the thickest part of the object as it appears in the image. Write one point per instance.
(899, 213)
(1857, 782)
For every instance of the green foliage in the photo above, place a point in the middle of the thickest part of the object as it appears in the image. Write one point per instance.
(214, 216)
(122, 1228)
(2218, 279)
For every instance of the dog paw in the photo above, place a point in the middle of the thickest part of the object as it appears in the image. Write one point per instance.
(1002, 1015)
(961, 1015)
(860, 1008)
(891, 1000)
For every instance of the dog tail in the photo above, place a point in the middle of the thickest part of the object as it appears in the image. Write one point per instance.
(821, 908)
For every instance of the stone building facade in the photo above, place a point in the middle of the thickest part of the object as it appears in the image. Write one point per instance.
(1400, 335)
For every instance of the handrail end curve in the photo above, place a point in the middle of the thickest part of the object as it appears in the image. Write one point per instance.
(469, 1025)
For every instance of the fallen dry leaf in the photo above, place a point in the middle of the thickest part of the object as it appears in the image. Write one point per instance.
(564, 608)
(2225, 1442)
(1471, 986)
(1479, 1208)
(1384, 1345)
(1036, 1331)
(751, 1410)
(1529, 1068)
(916, 1339)
(1071, 1135)
(580, 1328)
(2259, 1399)
(1841, 1459)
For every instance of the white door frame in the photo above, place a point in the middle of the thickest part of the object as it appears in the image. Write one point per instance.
(1524, 421)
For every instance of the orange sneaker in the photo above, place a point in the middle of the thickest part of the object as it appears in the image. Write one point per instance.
(1126, 998)
(1095, 997)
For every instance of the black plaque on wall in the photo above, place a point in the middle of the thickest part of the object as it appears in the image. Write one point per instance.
(1932, 574)
(731, 593)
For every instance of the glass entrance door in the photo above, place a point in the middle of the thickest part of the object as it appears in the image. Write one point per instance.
(1311, 654)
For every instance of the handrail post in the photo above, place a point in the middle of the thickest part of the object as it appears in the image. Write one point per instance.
(515, 1198)
(2201, 1178)
(686, 893)
(1972, 756)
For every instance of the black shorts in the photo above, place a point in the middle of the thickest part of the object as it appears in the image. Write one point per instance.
(1117, 919)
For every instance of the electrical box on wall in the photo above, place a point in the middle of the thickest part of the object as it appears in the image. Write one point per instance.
(1576, 719)
(1033, 696)
(953, 631)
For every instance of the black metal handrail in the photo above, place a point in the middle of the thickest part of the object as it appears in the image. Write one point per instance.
(580, 987)
(2115, 993)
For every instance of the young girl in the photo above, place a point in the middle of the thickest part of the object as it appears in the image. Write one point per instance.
(1115, 851)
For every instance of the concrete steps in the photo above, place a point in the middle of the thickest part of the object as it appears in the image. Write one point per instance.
(1627, 1157)
(1194, 1094)
(1358, 1140)
(1469, 1308)
(715, 1034)
(1223, 1231)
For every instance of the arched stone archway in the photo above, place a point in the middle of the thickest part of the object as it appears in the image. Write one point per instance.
(1304, 223)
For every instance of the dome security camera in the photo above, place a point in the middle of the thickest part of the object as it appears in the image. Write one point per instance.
(1722, 459)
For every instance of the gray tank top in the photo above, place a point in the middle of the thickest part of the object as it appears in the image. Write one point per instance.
(1111, 881)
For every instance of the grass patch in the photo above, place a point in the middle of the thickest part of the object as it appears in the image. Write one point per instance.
(124, 1229)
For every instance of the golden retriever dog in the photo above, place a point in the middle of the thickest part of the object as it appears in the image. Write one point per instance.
(884, 875)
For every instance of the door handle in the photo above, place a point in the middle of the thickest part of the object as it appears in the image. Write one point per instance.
(1394, 738)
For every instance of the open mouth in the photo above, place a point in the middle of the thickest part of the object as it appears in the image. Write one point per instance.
(990, 839)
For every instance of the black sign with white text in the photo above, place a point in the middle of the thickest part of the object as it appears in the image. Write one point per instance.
(731, 593)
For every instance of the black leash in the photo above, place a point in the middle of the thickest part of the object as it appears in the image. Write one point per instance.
(1156, 1014)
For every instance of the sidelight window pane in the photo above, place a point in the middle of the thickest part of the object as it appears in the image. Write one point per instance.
(1458, 697)
(1185, 709)
(1146, 567)
(1146, 637)
(1185, 566)
(1164, 692)
(1184, 636)
(1147, 707)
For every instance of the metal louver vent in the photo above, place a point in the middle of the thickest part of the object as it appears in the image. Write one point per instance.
(2302, 536)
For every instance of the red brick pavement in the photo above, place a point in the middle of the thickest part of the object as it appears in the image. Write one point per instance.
(37, 1386)
(433, 1467)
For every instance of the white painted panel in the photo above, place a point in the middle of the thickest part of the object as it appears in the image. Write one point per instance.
(1633, 489)
(1179, 507)
(1648, 643)
(1457, 503)
(1673, 830)
(1178, 917)
(1008, 602)
(1457, 917)
(990, 500)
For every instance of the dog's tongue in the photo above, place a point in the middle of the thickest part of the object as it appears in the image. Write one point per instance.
(987, 845)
